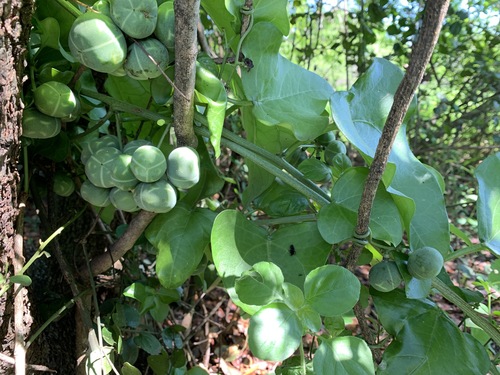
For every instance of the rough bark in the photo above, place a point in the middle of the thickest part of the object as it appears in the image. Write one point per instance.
(15, 18)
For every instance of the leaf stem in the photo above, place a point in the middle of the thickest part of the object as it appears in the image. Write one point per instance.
(466, 251)
(479, 320)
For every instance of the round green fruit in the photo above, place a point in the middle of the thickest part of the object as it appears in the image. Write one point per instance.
(64, 185)
(98, 167)
(55, 99)
(332, 149)
(96, 42)
(40, 126)
(385, 276)
(148, 163)
(131, 146)
(157, 197)
(123, 200)
(90, 147)
(326, 138)
(165, 27)
(121, 174)
(183, 167)
(136, 18)
(140, 64)
(95, 195)
(425, 263)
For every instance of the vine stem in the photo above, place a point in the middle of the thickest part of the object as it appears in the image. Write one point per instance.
(433, 17)
(479, 320)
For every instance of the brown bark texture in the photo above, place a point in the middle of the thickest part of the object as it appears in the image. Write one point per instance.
(15, 17)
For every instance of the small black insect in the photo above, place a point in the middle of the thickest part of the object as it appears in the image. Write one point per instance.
(292, 250)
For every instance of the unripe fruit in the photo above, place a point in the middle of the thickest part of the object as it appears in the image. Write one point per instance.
(95, 195)
(64, 185)
(55, 99)
(139, 64)
(136, 18)
(121, 174)
(315, 170)
(157, 197)
(91, 147)
(39, 126)
(103, 7)
(385, 276)
(333, 149)
(325, 139)
(165, 27)
(130, 147)
(425, 263)
(96, 42)
(148, 163)
(183, 167)
(98, 167)
(123, 200)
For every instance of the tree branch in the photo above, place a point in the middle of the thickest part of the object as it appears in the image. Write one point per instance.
(434, 14)
(186, 49)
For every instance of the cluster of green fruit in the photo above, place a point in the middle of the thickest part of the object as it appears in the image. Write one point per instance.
(330, 161)
(98, 40)
(137, 177)
(424, 263)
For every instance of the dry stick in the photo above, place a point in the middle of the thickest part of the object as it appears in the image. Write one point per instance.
(186, 49)
(105, 261)
(433, 17)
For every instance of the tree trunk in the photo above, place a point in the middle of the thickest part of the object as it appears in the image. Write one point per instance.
(15, 318)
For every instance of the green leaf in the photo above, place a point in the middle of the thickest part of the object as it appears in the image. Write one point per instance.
(426, 340)
(99, 361)
(274, 11)
(488, 203)
(293, 296)
(337, 221)
(315, 170)
(23, 280)
(310, 318)
(343, 356)
(128, 369)
(49, 28)
(494, 275)
(261, 285)
(197, 371)
(237, 244)
(281, 200)
(148, 343)
(159, 363)
(128, 89)
(180, 236)
(283, 94)
(224, 20)
(361, 114)
(274, 332)
(331, 290)
(211, 91)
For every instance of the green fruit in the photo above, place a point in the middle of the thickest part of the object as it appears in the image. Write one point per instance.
(139, 64)
(332, 149)
(425, 263)
(103, 7)
(148, 163)
(158, 196)
(136, 18)
(123, 200)
(385, 276)
(95, 195)
(40, 126)
(130, 147)
(339, 164)
(96, 42)
(55, 99)
(98, 167)
(121, 174)
(63, 185)
(165, 27)
(183, 167)
(325, 139)
(90, 147)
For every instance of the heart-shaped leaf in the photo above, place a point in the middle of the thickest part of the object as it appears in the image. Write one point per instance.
(260, 285)
(237, 244)
(180, 236)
